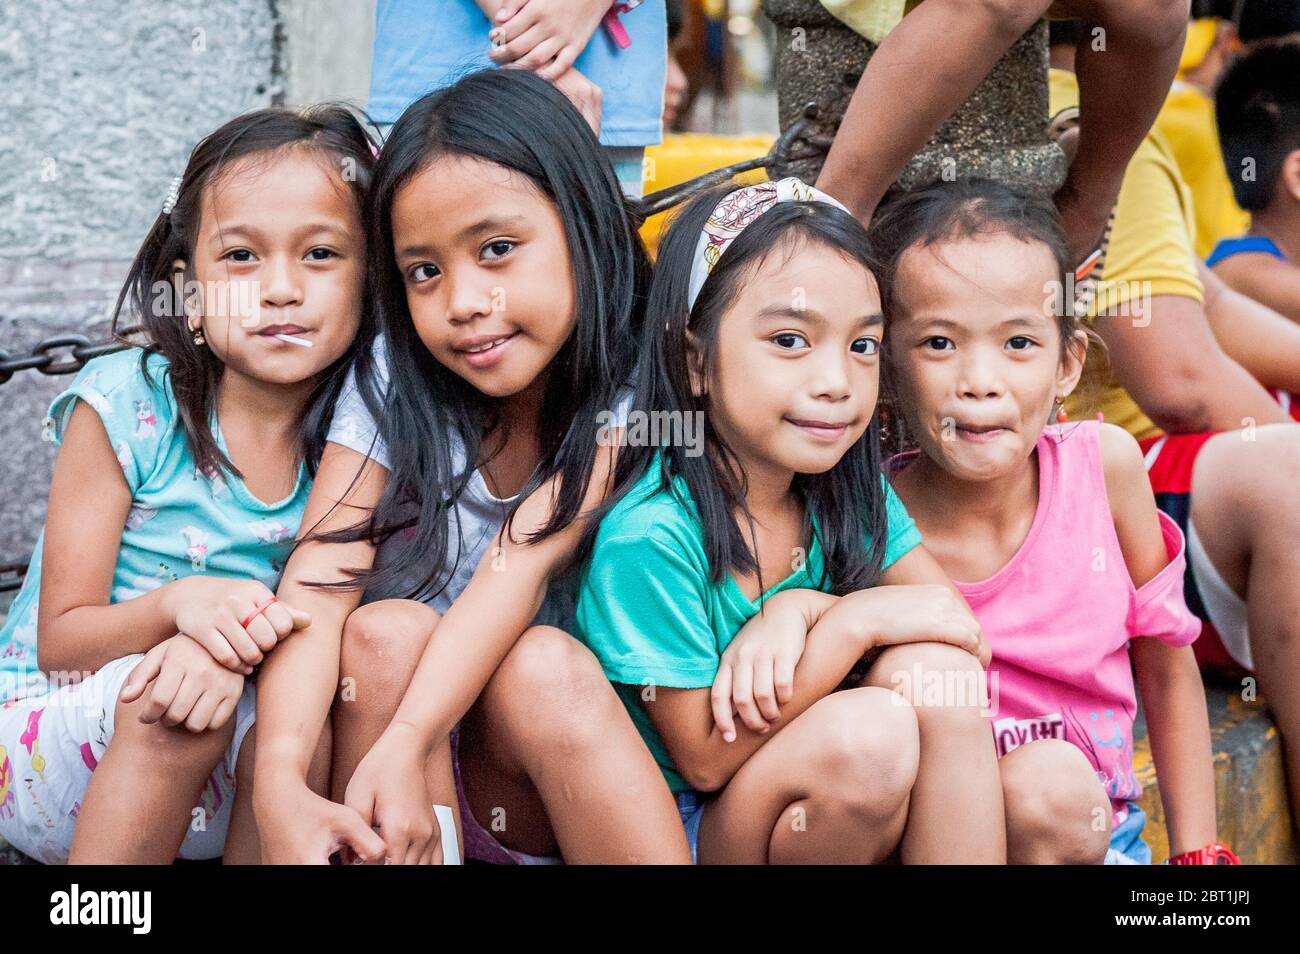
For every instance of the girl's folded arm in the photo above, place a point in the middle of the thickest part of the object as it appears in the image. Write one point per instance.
(494, 610)
(79, 629)
(684, 717)
(1167, 676)
(297, 682)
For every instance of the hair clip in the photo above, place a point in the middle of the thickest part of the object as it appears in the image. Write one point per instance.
(173, 194)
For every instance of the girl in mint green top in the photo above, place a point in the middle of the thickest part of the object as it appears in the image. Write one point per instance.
(731, 585)
(651, 611)
(180, 485)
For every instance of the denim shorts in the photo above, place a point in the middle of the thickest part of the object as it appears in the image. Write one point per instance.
(691, 807)
(1126, 844)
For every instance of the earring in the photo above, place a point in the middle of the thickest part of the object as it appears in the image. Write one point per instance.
(1061, 416)
(198, 335)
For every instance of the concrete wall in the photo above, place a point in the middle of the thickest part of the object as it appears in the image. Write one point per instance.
(327, 50)
(101, 102)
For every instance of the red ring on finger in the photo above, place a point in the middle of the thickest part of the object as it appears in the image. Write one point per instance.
(257, 611)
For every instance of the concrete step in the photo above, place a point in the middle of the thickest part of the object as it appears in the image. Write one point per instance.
(1249, 781)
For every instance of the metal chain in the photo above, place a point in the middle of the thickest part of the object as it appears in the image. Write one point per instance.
(15, 570)
(43, 356)
(785, 149)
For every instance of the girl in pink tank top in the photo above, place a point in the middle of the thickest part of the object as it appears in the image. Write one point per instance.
(1051, 531)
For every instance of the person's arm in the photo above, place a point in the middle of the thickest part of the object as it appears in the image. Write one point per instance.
(1173, 696)
(917, 567)
(492, 612)
(685, 717)
(542, 35)
(296, 685)
(1170, 364)
(1168, 678)
(79, 629)
(1264, 342)
(756, 673)
(1265, 279)
(840, 631)
(913, 82)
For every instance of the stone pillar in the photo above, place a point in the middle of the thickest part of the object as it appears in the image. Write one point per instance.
(998, 132)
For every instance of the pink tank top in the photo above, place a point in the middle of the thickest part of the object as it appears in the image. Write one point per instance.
(1059, 614)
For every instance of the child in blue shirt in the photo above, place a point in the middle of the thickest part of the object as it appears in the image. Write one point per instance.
(422, 45)
(1257, 105)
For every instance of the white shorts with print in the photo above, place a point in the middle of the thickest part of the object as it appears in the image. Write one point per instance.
(51, 742)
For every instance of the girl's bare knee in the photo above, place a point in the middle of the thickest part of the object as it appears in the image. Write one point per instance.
(867, 750)
(551, 687)
(1150, 24)
(547, 662)
(945, 684)
(168, 749)
(1056, 807)
(387, 633)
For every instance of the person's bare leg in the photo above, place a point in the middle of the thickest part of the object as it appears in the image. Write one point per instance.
(1244, 511)
(137, 807)
(832, 787)
(1125, 62)
(382, 645)
(552, 746)
(924, 69)
(956, 816)
(1057, 809)
(243, 845)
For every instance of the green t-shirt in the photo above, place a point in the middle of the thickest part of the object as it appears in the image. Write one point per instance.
(650, 613)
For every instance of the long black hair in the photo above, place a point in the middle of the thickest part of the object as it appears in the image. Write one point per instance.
(149, 294)
(427, 412)
(848, 500)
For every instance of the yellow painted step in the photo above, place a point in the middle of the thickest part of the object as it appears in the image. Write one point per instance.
(683, 156)
(1249, 781)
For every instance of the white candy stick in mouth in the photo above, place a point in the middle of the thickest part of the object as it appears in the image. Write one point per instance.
(301, 342)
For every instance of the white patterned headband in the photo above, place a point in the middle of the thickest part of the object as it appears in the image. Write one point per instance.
(735, 213)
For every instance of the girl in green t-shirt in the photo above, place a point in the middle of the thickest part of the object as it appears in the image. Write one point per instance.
(732, 584)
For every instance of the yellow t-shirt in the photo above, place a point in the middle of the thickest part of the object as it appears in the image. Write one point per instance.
(873, 19)
(1187, 122)
(1150, 254)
